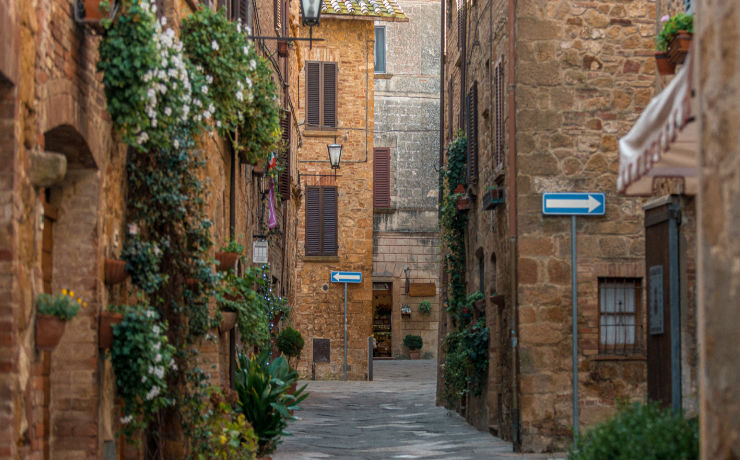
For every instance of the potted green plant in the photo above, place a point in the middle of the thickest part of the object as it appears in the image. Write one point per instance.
(107, 320)
(238, 299)
(53, 312)
(228, 255)
(425, 307)
(673, 42)
(414, 344)
(290, 342)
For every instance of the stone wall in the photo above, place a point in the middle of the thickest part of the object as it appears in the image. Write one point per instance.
(319, 304)
(717, 72)
(407, 122)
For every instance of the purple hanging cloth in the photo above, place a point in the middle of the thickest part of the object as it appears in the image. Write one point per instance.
(272, 219)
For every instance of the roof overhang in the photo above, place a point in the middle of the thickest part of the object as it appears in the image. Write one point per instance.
(364, 18)
(664, 142)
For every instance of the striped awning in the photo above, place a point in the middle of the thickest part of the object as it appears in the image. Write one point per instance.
(664, 142)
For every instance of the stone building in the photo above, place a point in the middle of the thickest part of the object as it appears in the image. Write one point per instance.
(543, 90)
(406, 238)
(59, 224)
(333, 88)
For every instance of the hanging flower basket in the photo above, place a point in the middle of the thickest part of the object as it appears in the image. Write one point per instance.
(679, 47)
(115, 271)
(228, 320)
(226, 260)
(49, 331)
(664, 64)
(106, 322)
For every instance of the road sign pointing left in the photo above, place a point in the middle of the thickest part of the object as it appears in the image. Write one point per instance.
(346, 277)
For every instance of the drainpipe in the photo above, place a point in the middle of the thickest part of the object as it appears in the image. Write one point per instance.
(232, 236)
(442, 39)
(514, 250)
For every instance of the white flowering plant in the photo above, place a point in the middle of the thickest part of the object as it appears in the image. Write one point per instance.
(142, 357)
(240, 82)
(151, 88)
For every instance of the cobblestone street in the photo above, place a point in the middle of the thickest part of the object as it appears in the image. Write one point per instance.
(393, 416)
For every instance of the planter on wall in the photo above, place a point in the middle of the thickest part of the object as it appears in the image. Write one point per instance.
(49, 331)
(493, 198)
(498, 300)
(282, 48)
(115, 271)
(463, 203)
(664, 64)
(226, 260)
(106, 322)
(679, 47)
(228, 320)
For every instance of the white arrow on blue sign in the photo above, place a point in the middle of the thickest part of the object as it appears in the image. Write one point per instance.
(573, 204)
(346, 277)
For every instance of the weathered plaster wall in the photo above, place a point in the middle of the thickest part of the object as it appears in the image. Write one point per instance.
(407, 122)
(319, 312)
(718, 84)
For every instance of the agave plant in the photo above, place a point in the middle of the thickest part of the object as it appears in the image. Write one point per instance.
(265, 398)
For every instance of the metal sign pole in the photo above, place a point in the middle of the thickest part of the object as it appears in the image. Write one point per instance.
(574, 290)
(345, 331)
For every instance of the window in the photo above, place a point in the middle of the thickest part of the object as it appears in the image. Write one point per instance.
(321, 94)
(284, 177)
(472, 131)
(239, 9)
(689, 6)
(379, 49)
(321, 221)
(620, 325)
(498, 90)
(382, 178)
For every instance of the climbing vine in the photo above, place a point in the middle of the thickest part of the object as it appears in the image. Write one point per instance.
(466, 346)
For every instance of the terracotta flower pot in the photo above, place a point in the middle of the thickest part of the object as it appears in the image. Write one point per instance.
(664, 64)
(49, 331)
(226, 260)
(414, 354)
(463, 203)
(228, 320)
(498, 300)
(679, 47)
(106, 322)
(92, 11)
(115, 271)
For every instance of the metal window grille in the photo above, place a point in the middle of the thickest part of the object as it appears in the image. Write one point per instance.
(620, 316)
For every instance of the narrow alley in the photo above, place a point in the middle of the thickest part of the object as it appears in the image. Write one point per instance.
(394, 416)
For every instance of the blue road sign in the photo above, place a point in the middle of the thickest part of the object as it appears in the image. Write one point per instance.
(346, 277)
(573, 204)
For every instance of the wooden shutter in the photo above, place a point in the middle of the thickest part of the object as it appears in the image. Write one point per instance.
(243, 13)
(313, 93)
(382, 178)
(284, 178)
(329, 221)
(330, 94)
(472, 159)
(313, 221)
(498, 88)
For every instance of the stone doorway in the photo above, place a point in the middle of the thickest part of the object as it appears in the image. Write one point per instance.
(382, 323)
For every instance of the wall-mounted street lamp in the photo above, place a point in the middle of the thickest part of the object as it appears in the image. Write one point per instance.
(407, 272)
(335, 156)
(311, 10)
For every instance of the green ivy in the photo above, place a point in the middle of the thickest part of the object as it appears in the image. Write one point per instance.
(466, 360)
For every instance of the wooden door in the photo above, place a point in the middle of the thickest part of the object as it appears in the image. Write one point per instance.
(661, 266)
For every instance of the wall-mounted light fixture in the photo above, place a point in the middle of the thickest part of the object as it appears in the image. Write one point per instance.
(407, 272)
(335, 156)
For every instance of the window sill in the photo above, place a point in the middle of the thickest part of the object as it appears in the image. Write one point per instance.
(319, 132)
(383, 76)
(619, 358)
(320, 259)
(384, 210)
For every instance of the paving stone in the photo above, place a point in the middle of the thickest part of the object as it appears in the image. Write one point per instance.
(394, 416)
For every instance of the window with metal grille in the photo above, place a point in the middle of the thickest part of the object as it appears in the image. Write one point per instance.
(460, 23)
(382, 178)
(379, 49)
(620, 324)
(240, 10)
(284, 177)
(472, 130)
(321, 221)
(321, 94)
(498, 90)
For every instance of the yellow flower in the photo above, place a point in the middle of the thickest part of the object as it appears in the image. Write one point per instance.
(71, 293)
(223, 439)
(84, 304)
(79, 301)
(64, 292)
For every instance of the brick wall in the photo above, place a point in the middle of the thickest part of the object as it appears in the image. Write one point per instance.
(318, 312)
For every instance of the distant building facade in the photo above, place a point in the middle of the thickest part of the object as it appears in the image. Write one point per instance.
(405, 180)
